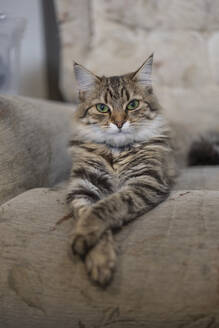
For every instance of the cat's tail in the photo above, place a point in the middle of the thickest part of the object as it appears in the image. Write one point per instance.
(205, 150)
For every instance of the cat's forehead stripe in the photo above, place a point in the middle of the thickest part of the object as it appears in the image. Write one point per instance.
(116, 89)
(127, 94)
(114, 85)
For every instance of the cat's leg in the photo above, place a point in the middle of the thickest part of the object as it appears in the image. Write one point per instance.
(134, 199)
(100, 261)
(83, 193)
(86, 233)
(80, 206)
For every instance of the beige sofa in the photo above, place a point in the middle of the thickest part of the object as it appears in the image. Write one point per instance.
(168, 263)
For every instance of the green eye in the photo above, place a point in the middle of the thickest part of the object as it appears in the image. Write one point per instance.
(102, 108)
(133, 104)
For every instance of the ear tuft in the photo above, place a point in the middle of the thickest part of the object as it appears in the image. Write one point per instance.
(144, 74)
(85, 79)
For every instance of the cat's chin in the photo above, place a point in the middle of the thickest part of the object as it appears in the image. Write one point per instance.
(119, 139)
(114, 137)
(118, 134)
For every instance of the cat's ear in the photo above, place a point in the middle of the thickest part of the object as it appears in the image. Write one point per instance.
(144, 74)
(85, 79)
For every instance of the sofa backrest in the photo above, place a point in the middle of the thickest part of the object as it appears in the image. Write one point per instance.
(33, 144)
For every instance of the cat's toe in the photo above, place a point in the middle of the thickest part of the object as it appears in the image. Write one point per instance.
(79, 245)
(100, 264)
(105, 276)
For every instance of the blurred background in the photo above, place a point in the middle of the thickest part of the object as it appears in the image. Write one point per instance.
(23, 28)
(115, 37)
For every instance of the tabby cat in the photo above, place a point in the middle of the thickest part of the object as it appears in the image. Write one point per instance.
(123, 162)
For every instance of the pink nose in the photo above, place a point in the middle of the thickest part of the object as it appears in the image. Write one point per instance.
(119, 124)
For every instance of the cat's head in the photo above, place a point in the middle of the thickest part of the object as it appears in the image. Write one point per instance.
(117, 110)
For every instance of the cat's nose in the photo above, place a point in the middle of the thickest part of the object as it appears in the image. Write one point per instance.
(119, 124)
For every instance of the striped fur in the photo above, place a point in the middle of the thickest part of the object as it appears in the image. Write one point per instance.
(118, 174)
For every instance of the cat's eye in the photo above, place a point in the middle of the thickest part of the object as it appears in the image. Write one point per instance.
(133, 104)
(102, 108)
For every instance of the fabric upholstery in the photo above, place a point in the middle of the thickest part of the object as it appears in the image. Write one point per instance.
(167, 270)
(33, 138)
(198, 178)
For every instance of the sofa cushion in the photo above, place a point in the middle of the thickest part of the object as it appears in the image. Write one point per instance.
(33, 142)
(198, 178)
(167, 272)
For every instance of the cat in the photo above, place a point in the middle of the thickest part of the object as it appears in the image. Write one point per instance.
(123, 162)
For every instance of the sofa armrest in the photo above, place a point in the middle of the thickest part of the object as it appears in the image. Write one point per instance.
(166, 277)
(33, 140)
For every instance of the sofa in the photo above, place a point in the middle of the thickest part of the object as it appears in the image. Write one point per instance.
(168, 260)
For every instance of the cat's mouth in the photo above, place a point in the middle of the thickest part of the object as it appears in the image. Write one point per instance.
(119, 132)
(114, 130)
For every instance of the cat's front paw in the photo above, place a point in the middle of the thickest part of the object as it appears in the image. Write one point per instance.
(101, 261)
(86, 234)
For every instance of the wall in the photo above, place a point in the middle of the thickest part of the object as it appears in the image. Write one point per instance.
(33, 70)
